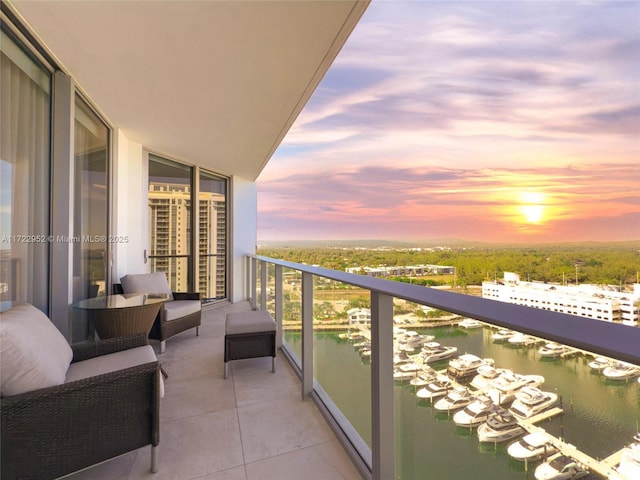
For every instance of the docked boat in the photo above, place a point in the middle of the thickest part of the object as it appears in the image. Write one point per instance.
(522, 340)
(599, 363)
(560, 467)
(504, 388)
(554, 350)
(433, 352)
(423, 377)
(475, 413)
(413, 340)
(531, 447)
(466, 366)
(454, 400)
(486, 375)
(531, 400)
(406, 371)
(435, 389)
(502, 335)
(402, 357)
(500, 426)
(470, 323)
(628, 467)
(621, 371)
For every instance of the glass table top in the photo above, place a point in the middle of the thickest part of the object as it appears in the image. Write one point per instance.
(122, 300)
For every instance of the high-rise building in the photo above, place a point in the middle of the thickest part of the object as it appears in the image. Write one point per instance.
(170, 234)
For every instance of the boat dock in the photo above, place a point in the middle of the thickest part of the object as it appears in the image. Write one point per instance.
(604, 467)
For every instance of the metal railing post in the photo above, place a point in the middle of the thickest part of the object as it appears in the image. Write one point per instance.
(264, 269)
(254, 281)
(382, 410)
(307, 334)
(279, 307)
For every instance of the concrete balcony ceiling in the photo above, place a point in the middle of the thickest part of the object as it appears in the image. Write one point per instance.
(214, 83)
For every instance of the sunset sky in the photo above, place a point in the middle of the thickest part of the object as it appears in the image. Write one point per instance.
(493, 121)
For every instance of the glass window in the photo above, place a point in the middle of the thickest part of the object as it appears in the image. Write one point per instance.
(212, 243)
(170, 221)
(25, 95)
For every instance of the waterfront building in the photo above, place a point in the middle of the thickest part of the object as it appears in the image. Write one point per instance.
(605, 303)
(359, 316)
(397, 271)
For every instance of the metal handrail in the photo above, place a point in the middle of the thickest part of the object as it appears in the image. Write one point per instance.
(620, 342)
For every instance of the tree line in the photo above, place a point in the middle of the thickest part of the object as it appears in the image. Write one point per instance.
(604, 264)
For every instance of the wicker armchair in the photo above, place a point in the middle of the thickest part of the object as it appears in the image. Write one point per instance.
(54, 431)
(175, 316)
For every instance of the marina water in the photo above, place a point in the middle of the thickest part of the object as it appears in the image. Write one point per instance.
(600, 416)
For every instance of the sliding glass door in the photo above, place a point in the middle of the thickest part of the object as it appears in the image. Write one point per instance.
(213, 237)
(190, 247)
(170, 221)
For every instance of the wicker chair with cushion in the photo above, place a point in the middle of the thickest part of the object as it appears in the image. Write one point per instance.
(66, 408)
(177, 315)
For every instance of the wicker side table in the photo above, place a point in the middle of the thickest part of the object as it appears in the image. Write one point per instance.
(121, 315)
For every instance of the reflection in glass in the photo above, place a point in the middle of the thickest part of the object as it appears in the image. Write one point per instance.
(90, 221)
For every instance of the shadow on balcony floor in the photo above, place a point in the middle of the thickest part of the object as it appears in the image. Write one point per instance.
(252, 426)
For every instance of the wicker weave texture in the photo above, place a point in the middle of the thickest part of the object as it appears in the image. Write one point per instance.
(249, 345)
(117, 322)
(58, 430)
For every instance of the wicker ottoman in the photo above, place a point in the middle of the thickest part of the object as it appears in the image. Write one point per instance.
(249, 335)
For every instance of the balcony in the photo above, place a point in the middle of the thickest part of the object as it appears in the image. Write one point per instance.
(253, 425)
(357, 395)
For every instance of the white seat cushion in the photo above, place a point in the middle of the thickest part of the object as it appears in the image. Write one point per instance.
(249, 322)
(146, 283)
(181, 308)
(33, 352)
(111, 363)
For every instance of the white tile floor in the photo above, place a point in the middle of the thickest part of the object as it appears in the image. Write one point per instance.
(252, 426)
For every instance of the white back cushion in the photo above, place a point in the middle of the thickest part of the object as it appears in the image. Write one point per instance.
(33, 352)
(146, 283)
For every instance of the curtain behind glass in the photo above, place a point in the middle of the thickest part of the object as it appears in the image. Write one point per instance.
(24, 177)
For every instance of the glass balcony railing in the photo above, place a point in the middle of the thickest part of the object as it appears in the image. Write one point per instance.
(395, 369)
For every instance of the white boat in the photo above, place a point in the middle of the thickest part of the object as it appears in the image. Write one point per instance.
(475, 413)
(504, 388)
(500, 427)
(454, 400)
(424, 376)
(433, 352)
(531, 400)
(466, 366)
(413, 340)
(522, 340)
(470, 323)
(486, 374)
(629, 466)
(599, 363)
(406, 371)
(553, 350)
(621, 371)
(401, 357)
(560, 467)
(435, 389)
(502, 335)
(531, 447)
